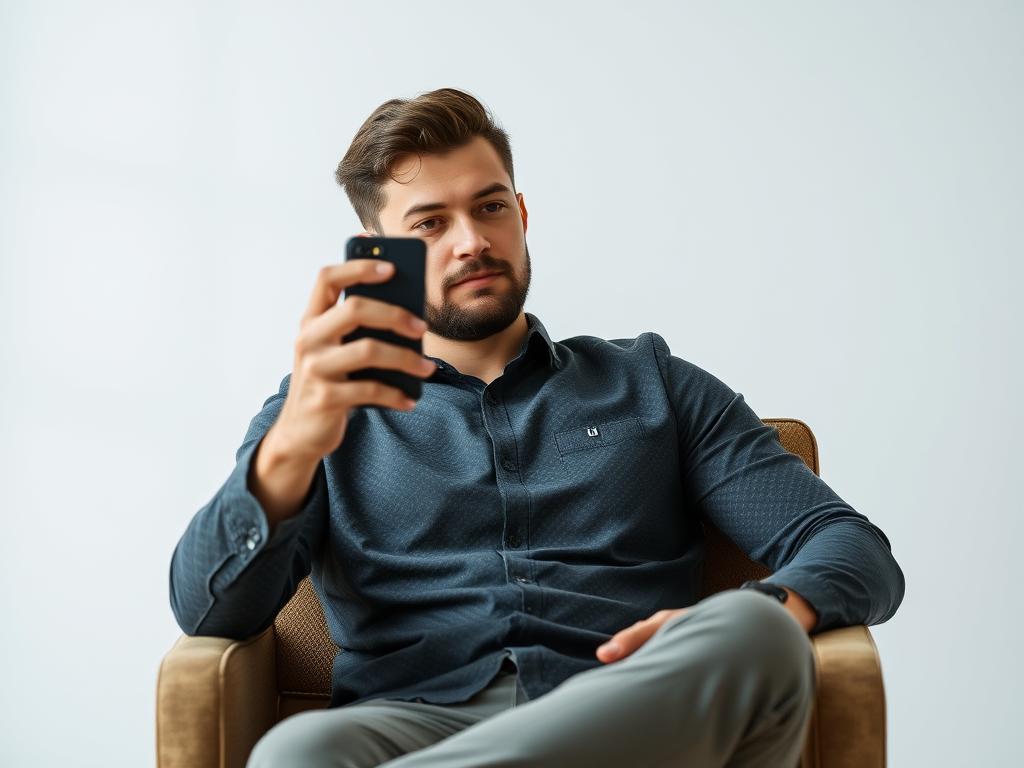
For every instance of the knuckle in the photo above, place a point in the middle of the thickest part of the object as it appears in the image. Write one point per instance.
(307, 366)
(366, 349)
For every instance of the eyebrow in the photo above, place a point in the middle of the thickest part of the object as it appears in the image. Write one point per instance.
(426, 207)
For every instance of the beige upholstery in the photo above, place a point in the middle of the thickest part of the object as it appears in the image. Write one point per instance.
(216, 697)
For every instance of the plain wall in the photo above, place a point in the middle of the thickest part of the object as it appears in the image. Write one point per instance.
(819, 202)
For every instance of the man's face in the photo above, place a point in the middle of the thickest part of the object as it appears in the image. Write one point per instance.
(465, 234)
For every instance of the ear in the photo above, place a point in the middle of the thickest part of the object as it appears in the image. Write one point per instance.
(522, 209)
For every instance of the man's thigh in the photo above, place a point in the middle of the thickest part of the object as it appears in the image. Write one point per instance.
(736, 668)
(372, 732)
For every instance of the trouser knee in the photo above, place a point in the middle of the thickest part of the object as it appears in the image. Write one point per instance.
(751, 634)
(317, 739)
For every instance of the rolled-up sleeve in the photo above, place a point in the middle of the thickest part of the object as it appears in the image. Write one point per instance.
(228, 578)
(737, 474)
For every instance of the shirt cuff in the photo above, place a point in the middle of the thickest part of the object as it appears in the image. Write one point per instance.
(247, 521)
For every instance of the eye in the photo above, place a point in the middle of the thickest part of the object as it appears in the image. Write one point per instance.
(422, 228)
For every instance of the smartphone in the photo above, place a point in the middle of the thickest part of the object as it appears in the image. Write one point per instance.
(406, 287)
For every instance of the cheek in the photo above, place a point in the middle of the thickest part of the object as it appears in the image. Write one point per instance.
(434, 290)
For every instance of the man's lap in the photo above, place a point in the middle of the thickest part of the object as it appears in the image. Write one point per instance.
(379, 730)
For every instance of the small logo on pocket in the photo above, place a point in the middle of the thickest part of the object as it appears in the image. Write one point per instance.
(592, 431)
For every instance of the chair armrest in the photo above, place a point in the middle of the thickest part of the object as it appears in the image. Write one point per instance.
(215, 698)
(847, 728)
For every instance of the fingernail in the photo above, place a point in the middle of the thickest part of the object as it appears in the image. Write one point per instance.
(609, 648)
(384, 267)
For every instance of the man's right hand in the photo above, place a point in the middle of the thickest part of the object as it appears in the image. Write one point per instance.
(320, 395)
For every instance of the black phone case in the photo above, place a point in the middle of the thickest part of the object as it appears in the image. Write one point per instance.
(406, 287)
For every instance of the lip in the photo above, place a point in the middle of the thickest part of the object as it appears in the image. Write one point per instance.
(483, 280)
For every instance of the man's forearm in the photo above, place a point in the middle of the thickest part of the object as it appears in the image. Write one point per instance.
(279, 479)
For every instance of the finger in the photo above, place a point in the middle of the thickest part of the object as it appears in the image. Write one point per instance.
(336, 361)
(333, 279)
(626, 641)
(356, 312)
(349, 394)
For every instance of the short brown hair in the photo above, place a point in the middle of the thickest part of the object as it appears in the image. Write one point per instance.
(434, 122)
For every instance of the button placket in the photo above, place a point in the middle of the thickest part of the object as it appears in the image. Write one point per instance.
(496, 421)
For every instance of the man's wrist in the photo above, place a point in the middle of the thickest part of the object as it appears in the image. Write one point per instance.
(800, 609)
(794, 602)
(279, 480)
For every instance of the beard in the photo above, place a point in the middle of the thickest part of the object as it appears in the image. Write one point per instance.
(485, 317)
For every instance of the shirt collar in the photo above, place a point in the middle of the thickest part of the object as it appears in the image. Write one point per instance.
(535, 328)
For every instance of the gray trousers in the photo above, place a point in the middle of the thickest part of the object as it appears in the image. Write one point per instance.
(729, 683)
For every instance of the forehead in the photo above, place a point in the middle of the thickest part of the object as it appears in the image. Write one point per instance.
(449, 178)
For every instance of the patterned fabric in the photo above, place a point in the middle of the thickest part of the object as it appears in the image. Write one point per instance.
(530, 518)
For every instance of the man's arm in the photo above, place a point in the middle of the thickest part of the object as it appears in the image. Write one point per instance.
(736, 474)
(241, 559)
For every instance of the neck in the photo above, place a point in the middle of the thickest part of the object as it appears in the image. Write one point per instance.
(486, 359)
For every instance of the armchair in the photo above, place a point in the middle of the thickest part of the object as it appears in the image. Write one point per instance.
(216, 697)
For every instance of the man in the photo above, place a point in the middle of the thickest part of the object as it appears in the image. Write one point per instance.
(511, 565)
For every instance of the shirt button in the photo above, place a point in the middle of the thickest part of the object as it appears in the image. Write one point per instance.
(508, 464)
(522, 579)
(254, 538)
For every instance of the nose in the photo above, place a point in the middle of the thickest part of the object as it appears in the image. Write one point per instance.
(469, 240)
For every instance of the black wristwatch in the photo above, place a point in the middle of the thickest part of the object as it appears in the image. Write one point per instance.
(769, 589)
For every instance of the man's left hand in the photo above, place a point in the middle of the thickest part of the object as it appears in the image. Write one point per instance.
(624, 642)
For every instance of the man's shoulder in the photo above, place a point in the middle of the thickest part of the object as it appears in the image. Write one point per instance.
(646, 346)
(586, 343)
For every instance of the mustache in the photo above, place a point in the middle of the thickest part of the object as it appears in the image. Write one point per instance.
(476, 273)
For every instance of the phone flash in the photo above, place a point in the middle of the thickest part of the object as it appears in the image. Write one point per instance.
(376, 250)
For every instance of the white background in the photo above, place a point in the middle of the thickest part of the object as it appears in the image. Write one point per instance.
(819, 202)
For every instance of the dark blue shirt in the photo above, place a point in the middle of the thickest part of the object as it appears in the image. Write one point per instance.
(531, 517)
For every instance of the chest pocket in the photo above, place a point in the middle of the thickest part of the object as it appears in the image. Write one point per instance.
(592, 436)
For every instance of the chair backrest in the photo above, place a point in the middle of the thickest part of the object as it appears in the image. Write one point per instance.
(305, 651)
